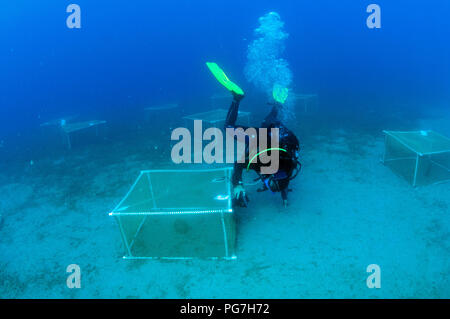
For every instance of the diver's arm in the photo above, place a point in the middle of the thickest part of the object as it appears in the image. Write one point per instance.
(237, 174)
(284, 197)
(240, 197)
(284, 194)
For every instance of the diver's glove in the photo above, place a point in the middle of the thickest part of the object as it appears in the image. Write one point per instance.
(237, 97)
(240, 197)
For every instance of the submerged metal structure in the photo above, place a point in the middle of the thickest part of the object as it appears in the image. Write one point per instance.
(421, 157)
(178, 214)
(68, 128)
(216, 118)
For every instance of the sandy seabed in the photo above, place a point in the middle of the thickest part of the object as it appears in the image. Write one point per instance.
(346, 211)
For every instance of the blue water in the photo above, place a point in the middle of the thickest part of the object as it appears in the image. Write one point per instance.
(129, 53)
(137, 54)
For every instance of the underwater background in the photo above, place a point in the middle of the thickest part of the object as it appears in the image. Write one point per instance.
(347, 210)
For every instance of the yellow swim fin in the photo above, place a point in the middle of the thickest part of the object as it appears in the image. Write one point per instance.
(280, 93)
(223, 79)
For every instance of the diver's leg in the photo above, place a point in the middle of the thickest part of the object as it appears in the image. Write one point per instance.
(272, 117)
(233, 111)
(232, 114)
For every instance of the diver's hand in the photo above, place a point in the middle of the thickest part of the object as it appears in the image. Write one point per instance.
(262, 189)
(285, 203)
(240, 197)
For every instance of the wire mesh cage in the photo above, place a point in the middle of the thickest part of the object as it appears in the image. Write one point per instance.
(421, 157)
(178, 214)
(306, 103)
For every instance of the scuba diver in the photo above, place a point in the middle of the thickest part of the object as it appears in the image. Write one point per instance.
(289, 165)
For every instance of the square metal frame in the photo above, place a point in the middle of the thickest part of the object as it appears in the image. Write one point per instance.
(225, 212)
(418, 154)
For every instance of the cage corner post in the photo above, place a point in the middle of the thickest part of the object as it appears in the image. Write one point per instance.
(124, 238)
(66, 137)
(415, 170)
(383, 160)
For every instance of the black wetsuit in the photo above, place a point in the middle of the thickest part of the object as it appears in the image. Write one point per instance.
(287, 140)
